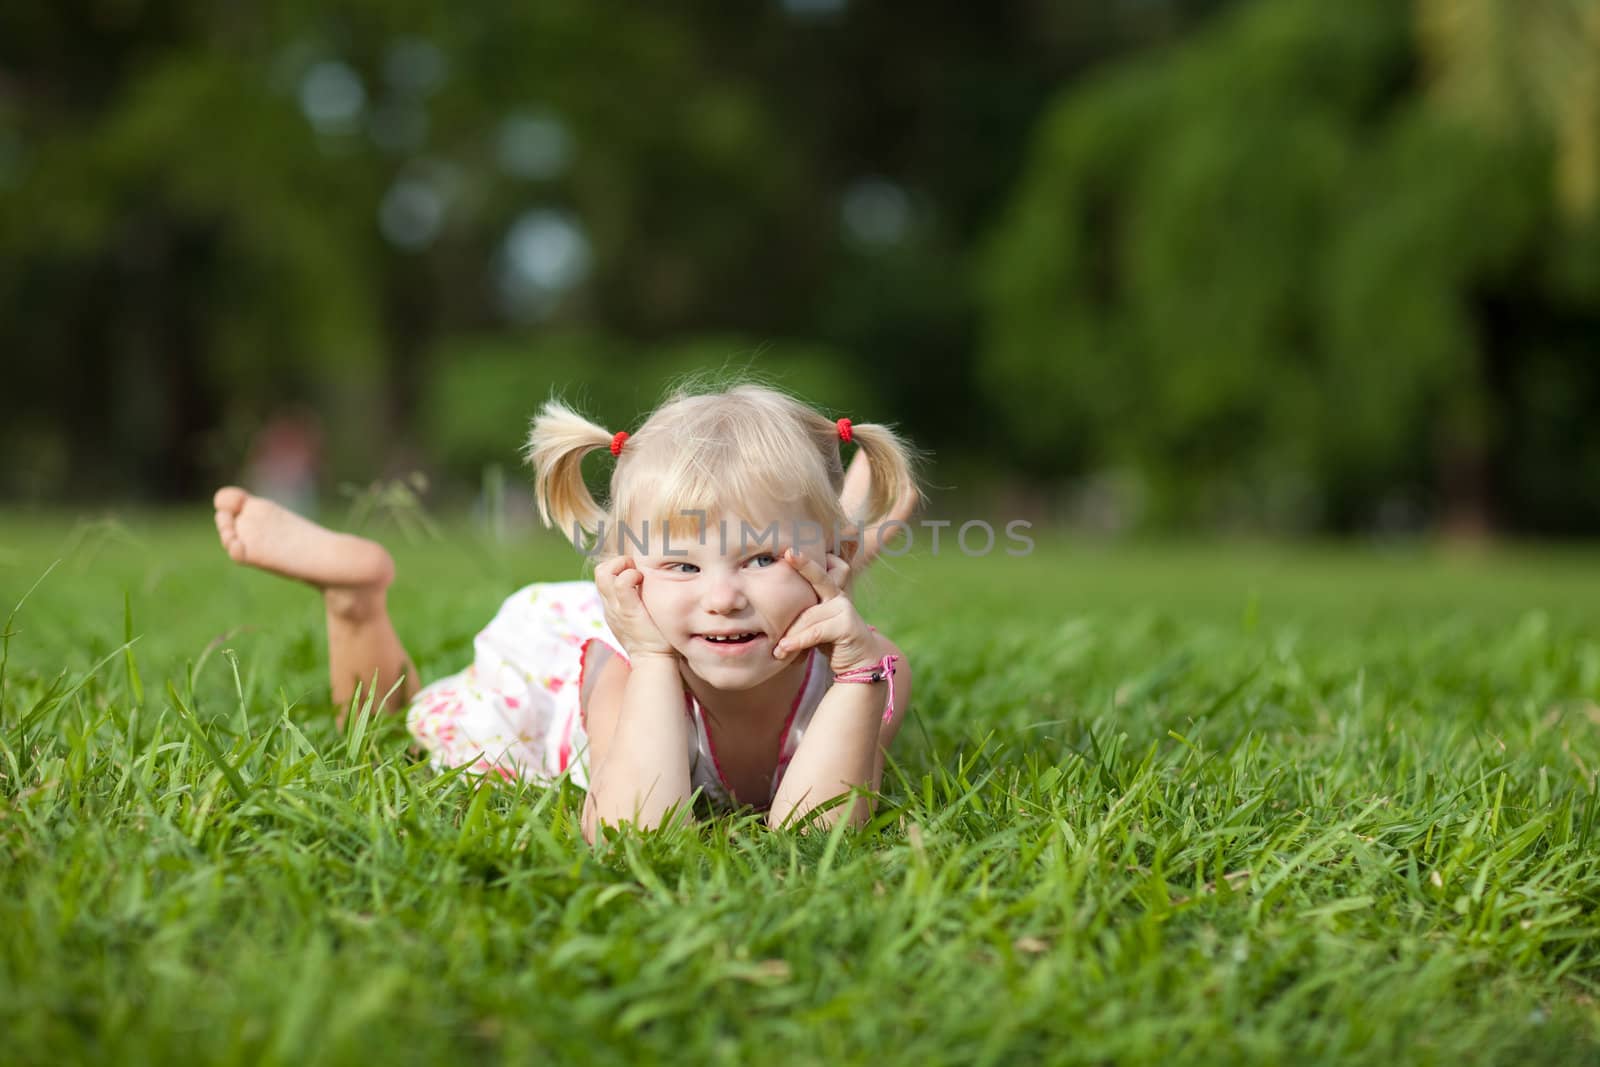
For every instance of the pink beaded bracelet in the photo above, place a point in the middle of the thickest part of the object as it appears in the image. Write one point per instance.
(881, 671)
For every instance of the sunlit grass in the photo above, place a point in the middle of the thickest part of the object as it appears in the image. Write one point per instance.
(1222, 804)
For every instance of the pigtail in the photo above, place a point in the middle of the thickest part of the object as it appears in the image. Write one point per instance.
(557, 442)
(893, 488)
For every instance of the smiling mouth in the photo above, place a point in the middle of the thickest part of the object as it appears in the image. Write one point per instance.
(730, 639)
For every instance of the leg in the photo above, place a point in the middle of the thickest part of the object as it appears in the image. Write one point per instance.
(853, 497)
(353, 575)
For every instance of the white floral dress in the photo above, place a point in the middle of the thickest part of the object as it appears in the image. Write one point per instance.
(518, 710)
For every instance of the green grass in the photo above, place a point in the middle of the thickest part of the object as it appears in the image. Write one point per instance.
(1221, 804)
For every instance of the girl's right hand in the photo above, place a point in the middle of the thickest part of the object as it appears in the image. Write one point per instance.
(619, 581)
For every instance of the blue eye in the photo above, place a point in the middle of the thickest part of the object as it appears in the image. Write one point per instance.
(692, 568)
(768, 556)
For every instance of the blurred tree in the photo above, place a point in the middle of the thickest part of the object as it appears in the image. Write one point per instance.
(1510, 66)
(1270, 278)
(483, 391)
(1516, 73)
(207, 212)
(169, 256)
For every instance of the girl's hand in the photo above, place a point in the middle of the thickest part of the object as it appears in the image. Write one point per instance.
(833, 624)
(619, 581)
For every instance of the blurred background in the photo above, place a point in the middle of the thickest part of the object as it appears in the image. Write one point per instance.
(1280, 266)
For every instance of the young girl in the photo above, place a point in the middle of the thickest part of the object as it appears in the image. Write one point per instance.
(717, 650)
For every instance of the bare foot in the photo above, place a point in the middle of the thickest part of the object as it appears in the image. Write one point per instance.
(259, 533)
(353, 575)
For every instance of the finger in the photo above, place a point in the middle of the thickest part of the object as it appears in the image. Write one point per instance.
(838, 570)
(814, 626)
(848, 554)
(812, 572)
(802, 640)
(630, 583)
(791, 638)
(607, 573)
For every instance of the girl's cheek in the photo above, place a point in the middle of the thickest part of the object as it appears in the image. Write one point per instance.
(787, 581)
(801, 591)
(663, 607)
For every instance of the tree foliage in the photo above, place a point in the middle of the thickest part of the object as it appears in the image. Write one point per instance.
(207, 212)
(1287, 262)
(1266, 273)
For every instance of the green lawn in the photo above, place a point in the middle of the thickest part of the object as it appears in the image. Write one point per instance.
(1216, 803)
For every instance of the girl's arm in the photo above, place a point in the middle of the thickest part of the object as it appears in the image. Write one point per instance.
(638, 726)
(844, 748)
(638, 744)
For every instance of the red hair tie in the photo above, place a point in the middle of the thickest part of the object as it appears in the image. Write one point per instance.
(617, 440)
(845, 433)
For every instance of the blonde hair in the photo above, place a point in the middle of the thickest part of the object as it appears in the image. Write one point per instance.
(727, 452)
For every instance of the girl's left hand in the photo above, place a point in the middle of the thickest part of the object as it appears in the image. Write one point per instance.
(833, 624)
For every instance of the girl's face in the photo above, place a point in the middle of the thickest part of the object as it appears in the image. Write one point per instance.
(724, 598)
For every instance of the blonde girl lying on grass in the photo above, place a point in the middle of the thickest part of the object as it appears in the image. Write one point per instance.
(717, 651)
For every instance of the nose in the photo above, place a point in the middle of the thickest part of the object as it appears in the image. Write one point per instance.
(724, 596)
